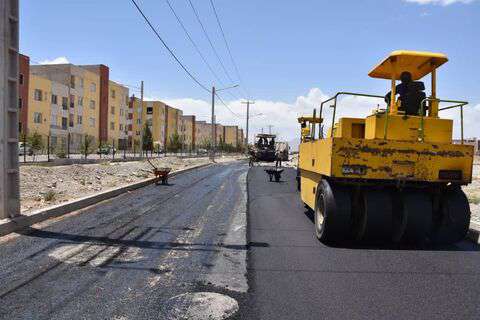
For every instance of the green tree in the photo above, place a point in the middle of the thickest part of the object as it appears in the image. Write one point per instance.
(147, 140)
(174, 144)
(36, 143)
(87, 145)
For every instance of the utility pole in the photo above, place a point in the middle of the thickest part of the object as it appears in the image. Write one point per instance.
(212, 153)
(248, 102)
(9, 171)
(214, 129)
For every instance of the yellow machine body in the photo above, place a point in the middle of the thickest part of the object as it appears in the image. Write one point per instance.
(388, 147)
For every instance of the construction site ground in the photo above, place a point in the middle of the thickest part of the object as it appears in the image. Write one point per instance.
(44, 186)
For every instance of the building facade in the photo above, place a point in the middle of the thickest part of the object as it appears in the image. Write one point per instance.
(73, 99)
(230, 134)
(203, 134)
(118, 110)
(187, 131)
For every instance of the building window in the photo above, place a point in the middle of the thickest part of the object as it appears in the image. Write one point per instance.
(112, 125)
(54, 99)
(120, 127)
(80, 101)
(64, 123)
(112, 110)
(112, 93)
(91, 122)
(92, 104)
(72, 101)
(137, 133)
(139, 121)
(93, 87)
(70, 122)
(72, 82)
(38, 95)
(20, 79)
(37, 117)
(149, 110)
(20, 103)
(53, 119)
(64, 103)
(79, 119)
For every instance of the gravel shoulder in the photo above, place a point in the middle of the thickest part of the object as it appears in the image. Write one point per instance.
(44, 186)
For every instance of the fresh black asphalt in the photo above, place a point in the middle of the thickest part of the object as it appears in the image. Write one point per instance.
(293, 276)
(124, 258)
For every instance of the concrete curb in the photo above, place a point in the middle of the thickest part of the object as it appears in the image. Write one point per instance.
(11, 225)
(474, 232)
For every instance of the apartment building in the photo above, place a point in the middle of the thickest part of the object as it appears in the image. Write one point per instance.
(230, 134)
(152, 113)
(187, 131)
(73, 103)
(220, 138)
(38, 119)
(118, 109)
(172, 121)
(203, 133)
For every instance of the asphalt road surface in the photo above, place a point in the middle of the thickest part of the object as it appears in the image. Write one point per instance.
(293, 276)
(142, 255)
(185, 251)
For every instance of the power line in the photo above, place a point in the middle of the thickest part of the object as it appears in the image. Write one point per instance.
(168, 48)
(226, 106)
(210, 41)
(193, 43)
(228, 47)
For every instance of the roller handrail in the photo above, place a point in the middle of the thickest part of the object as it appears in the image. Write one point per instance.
(458, 104)
(334, 106)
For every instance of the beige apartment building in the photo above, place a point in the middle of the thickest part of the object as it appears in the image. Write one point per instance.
(230, 134)
(73, 103)
(187, 131)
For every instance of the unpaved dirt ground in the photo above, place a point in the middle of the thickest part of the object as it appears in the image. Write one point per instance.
(43, 186)
(473, 192)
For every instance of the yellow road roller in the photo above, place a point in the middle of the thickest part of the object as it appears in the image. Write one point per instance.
(395, 175)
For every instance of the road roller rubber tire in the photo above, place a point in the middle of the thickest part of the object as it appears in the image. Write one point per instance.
(417, 215)
(452, 222)
(376, 221)
(332, 213)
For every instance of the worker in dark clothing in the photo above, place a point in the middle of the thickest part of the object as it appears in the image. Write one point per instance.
(411, 94)
(401, 89)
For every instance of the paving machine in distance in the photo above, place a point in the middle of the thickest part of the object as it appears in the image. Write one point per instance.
(394, 175)
(264, 147)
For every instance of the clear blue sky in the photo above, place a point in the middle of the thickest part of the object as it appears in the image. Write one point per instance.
(282, 48)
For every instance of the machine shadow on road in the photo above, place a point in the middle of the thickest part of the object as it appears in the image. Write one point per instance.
(134, 243)
(465, 245)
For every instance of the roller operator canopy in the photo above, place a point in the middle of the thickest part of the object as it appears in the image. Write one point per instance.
(418, 63)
